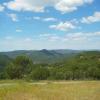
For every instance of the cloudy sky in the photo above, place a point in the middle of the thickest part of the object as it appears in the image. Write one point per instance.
(49, 24)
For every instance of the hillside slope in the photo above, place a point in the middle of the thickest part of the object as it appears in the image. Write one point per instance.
(43, 56)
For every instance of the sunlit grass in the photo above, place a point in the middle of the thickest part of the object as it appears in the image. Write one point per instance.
(64, 90)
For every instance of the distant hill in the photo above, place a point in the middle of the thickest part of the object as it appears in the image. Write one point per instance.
(43, 56)
(50, 56)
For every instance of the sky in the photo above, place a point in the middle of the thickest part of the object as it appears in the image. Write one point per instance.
(49, 24)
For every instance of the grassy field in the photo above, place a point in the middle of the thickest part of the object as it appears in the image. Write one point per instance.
(48, 90)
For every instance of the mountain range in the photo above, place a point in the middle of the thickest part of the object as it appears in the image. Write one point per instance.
(41, 56)
(49, 56)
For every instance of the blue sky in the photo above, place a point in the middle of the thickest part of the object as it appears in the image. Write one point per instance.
(49, 24)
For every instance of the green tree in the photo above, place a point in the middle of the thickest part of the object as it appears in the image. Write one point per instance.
(19, 68)
(39, 73)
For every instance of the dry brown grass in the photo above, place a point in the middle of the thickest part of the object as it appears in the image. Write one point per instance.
(73, 90)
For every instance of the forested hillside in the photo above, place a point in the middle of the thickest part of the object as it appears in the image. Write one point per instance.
(43, 56)
(81, 66)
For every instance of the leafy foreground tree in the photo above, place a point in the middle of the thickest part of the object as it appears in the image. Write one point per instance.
(19, 67)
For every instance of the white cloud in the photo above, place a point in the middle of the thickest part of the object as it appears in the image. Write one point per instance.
(46, 19)
(2, 8)
(63, 26)
(64, 7)
(49, 19)
(36, 18)
(54, 38)
(45, 35)
(76, 36)
(25, 5)
(53, 41)
(97, 33)
(49, 37)
(28, 40)
(91, 19)
(80, 36)
(18, 30)
(13, 17)
(39, 6)
(88, 1)
(70, 5)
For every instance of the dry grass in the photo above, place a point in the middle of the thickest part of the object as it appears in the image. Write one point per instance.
(72, 90)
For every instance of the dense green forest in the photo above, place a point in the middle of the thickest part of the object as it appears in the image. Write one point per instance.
(84, 65)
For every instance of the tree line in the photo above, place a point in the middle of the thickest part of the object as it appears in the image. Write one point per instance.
(81, 67)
